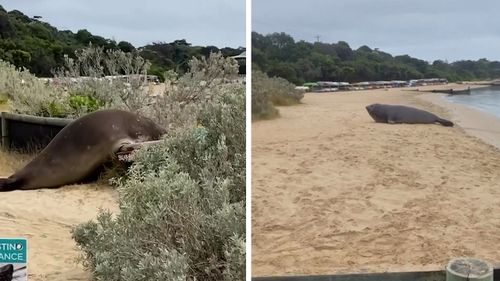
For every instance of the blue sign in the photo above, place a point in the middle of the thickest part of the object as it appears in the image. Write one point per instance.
(13, 250)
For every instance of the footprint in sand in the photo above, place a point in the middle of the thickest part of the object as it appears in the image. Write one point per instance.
(324, 147)
(282, 171)
(305, 193)
(318, 188)
(7, 215)
(302, 171)
(282, 187)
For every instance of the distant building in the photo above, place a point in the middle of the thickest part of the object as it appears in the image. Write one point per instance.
(242, 62)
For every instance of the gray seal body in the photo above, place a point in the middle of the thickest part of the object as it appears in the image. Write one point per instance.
(81, 147)
(393, 114)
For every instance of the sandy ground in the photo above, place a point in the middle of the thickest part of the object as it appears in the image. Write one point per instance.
(45, 217)
(335, 192)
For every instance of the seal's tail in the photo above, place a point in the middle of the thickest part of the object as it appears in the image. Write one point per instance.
(9, 184)
(445, 122)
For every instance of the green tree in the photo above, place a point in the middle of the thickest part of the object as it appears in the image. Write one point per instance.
(278, 54)
(125, 46)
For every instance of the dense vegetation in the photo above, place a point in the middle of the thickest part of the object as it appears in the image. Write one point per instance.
(268, 92)
(40, 47)
(176, 55)
(70, 95)
(278, 54)
(182, 203)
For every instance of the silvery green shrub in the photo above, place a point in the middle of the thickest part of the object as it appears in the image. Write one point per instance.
(268, 92)
(182, 204)
(113, 78)
(262, 107)
(92, 76)
(90, 82)
(205, 80)
(30, 95)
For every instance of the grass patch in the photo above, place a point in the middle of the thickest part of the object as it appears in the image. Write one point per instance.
(12, 161)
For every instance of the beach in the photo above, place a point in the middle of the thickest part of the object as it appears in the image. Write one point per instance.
(334, 192)
(45, 218)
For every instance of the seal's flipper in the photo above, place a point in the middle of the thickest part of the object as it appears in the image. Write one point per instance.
(445, 122)
(10, 184)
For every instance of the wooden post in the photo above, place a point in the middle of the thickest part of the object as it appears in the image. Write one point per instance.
(465, 269)
(5, 131)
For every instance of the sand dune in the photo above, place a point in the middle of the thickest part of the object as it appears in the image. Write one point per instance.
(334, 192)
(45, 217)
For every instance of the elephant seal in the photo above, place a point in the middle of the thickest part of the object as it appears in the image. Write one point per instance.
(81, 147)
(392, 114)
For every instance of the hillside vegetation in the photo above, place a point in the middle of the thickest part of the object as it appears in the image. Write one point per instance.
(39, 47)
(278, 54)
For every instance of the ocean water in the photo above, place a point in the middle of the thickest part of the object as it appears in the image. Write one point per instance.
(485, 99)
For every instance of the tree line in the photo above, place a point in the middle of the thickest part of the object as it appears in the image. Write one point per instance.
(278, 54)
(39, 47)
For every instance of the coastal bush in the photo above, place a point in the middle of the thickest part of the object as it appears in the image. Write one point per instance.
(3, 98)
(99, 79)
(182, 202)
(87, 83)
(106, 79)
(267, 92)
(283, 92)
(262, 107)
(84, 103)
(205, 80)
(30, 95)
(182, 207)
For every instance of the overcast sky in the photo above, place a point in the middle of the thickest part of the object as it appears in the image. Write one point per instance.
(426, 29)
(219, 23)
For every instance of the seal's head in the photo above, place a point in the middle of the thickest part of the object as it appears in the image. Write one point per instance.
(375, 113)
(146, 127)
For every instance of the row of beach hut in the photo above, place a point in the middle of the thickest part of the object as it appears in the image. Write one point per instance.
(329, 86)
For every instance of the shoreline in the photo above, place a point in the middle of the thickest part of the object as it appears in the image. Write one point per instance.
(474, 122)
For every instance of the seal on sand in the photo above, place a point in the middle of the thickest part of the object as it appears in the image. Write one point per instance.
(384, 113)
(81, 147)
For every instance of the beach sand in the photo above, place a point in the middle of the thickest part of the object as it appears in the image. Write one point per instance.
(45, 217)
(334, 192)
